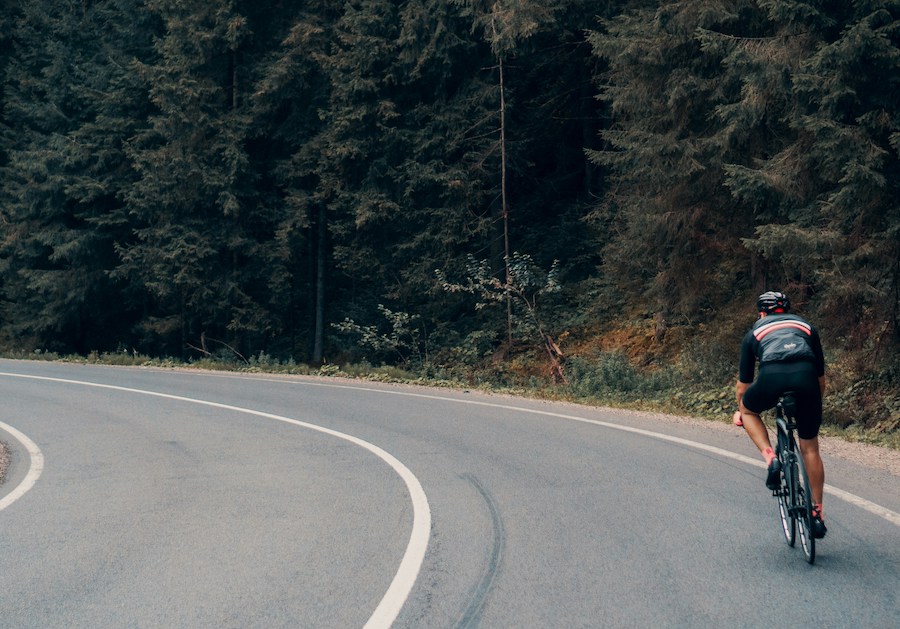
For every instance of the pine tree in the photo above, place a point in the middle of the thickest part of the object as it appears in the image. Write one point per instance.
(849, 88)
(760, 57)
(334, 172)
(289, 93)
(674, 223)
(825, 197)
(8, 13)
(539, 113)
(198, 246)
(68, 98)
(554, 117)
(753, 140)
(446, 181)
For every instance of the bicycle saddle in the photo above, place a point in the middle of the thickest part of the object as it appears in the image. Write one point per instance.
(788, 404)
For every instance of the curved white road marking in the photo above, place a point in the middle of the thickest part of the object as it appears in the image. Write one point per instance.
(36, 467)
(883, 512)
(402, 584)
(872, 507)
(400, 588)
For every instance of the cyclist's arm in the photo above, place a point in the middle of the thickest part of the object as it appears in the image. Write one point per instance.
(816, 344)
(747, 365)
(819, 360)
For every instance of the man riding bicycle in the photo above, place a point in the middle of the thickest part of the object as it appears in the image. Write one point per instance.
(790, 359)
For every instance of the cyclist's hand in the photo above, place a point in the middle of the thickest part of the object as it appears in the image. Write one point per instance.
(736, 419)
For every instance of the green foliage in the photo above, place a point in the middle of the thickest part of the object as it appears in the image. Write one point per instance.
(219, 168)
(67, 98)
(671, 216)
(195, 252)
(506, 23)
(178, 171)
(611, 376)
(835, 178)
(752, 147)
(526, 281)
(525, 284)
(404, 340)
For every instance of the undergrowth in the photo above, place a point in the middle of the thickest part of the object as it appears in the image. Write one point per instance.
(857, 408)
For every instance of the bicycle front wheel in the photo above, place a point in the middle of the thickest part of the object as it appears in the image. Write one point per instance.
(803, 509)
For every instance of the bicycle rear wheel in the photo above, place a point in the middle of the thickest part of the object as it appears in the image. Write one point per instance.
(803, 510)
(788, 525)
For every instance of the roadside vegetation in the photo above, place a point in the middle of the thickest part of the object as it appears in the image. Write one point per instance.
(564, 198)
(860, 409)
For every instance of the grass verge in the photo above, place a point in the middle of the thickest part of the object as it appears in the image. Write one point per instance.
(608, 379)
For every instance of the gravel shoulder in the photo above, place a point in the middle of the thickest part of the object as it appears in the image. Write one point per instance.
(4, 461)
(866, 455)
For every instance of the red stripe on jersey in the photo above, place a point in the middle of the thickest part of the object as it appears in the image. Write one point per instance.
(780, 325)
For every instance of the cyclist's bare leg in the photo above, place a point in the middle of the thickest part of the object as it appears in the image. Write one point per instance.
(756, 429)
(814, 467)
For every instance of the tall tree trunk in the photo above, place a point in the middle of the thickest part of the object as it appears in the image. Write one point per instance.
(318, 343)
(588, 130)
(504, 206)
(232, 63)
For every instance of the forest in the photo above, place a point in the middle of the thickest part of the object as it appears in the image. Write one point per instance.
(573, 193)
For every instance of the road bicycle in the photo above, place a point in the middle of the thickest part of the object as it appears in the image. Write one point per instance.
(794, 496)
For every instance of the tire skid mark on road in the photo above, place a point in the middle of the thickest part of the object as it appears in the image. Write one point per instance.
(876, 509)
(392, 603)
(410, 565)
(472, 613)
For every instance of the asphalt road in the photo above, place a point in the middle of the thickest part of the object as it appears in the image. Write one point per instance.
(183, 499)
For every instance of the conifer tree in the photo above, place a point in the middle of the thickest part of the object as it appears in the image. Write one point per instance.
(339, 173)
(554, 116)
(755, 138)
(674, 222)
(849, 129)
(197, 250)
(68, 102)
(8, 13)
(445, 178)
(823, 189)
(505, 24)
(289, 93)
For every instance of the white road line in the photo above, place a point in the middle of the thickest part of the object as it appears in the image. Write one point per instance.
(36, 467)
(400, 588)
(876, 509)
(398, 592)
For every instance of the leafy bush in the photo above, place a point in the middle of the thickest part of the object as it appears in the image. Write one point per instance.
(404, 340)
(612, 376)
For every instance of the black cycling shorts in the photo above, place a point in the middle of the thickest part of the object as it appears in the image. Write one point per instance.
(776, 378)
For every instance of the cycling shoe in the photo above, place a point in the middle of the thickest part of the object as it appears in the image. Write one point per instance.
(818, 525)
(773, 479)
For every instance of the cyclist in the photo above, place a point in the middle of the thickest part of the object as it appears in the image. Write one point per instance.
(790, 359)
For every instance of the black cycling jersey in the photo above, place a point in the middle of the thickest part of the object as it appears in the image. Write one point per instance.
(790, 358)
(780, 338)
